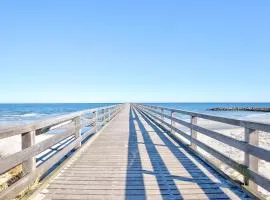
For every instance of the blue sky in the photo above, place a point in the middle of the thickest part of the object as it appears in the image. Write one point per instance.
(143, 51)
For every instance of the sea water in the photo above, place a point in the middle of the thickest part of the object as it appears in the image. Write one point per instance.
(29, 112)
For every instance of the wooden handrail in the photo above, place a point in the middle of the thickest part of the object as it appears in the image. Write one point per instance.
(72, 124)
(42, 124)
(236, 122)
(244, 146)
(250, 147)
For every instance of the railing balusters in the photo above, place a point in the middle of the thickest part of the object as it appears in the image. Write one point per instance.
(161, 116)
(77, 124)
(28, 140)
(106, 115)
(193, 133)
(97, 123)
(30, 150)
(173, 114)
(103, 117)
(252, 138)
(253, 152)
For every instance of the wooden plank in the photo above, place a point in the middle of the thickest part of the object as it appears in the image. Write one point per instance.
(173, 128)
(28, 140)
(261, 153)
(88, 133)
(13, 160)
(193, 133)
(162, 116)
(77, 123)
(251, 137)
(30, 178)
(88, 123)
(172, 121)
(248, 173)
(132, 160)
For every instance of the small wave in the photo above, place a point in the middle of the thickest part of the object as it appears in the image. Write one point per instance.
(29, 115)
(21, 115)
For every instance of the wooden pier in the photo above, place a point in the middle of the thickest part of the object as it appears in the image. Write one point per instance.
(132, 152)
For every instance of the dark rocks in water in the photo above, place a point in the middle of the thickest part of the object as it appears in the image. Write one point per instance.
(240, 109)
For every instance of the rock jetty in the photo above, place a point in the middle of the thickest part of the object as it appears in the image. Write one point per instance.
(240, 109)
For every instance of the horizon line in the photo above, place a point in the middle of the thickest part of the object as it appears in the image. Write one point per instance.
(103, 102)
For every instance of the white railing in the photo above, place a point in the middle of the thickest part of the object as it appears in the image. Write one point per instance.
(252, 151)
(54, 148)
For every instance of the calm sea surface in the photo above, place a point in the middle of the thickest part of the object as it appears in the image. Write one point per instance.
(24, 113)
(18, 113)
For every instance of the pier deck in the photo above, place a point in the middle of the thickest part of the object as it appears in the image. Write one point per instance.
(132, 158)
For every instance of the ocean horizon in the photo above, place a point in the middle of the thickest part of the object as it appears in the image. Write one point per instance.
(29, 112)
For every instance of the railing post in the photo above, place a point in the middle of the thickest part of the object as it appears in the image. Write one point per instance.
(172, 122)
(77, 123)
(193, 133)
(251, 137)
(112, 113)
(107, 114)
(109, 111)
(161, 116)
(103, 117)
(28, 140)
(97, 121)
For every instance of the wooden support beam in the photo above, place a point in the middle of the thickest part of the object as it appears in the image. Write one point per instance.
(162, 116)
(193, 133)
(172, 122)
(77, 123)
(28, 140)
(252, 138)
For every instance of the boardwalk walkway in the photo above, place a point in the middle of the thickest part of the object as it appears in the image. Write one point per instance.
(132, 158)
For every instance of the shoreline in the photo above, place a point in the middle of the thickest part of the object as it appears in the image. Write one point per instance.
(252, 109)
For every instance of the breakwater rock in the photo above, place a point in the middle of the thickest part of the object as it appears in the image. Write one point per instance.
(240, 109)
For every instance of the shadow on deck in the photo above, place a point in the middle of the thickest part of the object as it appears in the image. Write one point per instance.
(173, 174)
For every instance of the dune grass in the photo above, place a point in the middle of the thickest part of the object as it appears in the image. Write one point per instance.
(10, 177)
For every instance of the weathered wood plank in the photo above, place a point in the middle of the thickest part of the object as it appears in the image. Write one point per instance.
(13, 160)
(131, 159)
(261, 153)
(32, 150)
(28, 140)
(248, 173)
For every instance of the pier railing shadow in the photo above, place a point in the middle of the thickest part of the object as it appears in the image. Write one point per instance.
(160, 170)
(134, 163)
(164, 178)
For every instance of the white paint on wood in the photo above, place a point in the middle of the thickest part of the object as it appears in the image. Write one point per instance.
(193, 133)
(251, 137)
(28, 140)
(77, 124)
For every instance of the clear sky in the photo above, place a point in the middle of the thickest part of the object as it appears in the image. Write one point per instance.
(143, 51)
